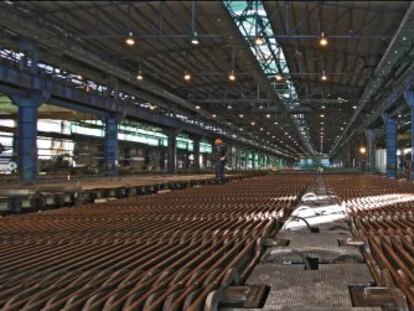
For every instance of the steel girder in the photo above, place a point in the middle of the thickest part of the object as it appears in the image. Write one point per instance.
(15, 82)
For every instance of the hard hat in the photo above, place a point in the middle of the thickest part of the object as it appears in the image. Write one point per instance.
(218, 141)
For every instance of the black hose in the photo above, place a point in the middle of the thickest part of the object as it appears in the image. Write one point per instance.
(311, 229)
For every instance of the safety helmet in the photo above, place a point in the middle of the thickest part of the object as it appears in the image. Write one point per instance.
(218, 141)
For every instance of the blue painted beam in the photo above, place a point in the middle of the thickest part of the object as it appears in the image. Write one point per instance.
(15, 82)
(111, 145)
(391, 144)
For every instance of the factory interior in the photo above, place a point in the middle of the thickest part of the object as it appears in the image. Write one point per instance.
(207, 155)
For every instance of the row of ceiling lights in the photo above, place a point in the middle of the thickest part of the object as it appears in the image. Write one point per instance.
(130, 41)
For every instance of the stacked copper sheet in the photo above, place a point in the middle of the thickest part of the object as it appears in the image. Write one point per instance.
(159, 252)
(381, 212)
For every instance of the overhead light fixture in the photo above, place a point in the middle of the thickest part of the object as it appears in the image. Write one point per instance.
(253, 123)
(362, 150)
(187, 76)
(229, 107)
(197, 107)
(323, 41)
(213, 115)
(232, 76)
(130, 39)
(268, 116)
(260, 107)
(324, 77)
(322, 116)
(241, 116)
(259, 40)
(140, 76)
(194, 39)
(279, 77)
(354, 107)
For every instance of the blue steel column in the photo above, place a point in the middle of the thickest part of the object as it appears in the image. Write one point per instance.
(27, 135)
(172, 151)
(391, 144)
(111, 145)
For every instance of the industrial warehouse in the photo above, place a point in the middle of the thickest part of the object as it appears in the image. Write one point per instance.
(207, 155)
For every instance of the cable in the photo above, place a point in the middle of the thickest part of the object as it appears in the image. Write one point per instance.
(311, 229)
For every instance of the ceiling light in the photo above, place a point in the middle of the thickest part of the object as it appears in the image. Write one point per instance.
(187, 76)
(213, 115)
(362, 150)
(276, 123)
(260, 107)
(253, 123)
(323, 107)
(354, 107)
(259, 40)
(261, 128)
(323, 41)
(197, 107)
(194, 39)
(324, 77)
(140, 76)
(268, 116)
(322, 116)
(130, 40)
(241, 116)
(232, 76)
(229, 107)
(279, 77)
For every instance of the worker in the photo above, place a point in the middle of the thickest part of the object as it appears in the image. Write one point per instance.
(220, 158)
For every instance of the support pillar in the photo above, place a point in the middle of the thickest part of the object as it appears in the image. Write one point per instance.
(253, 160)
(409, 98)
(196, 153)
(370, 135)
(111, 145)
(391, 144)
(28, 106)
(172, 151)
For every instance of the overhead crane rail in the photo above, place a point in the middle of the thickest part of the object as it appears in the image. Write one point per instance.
(159, 252)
